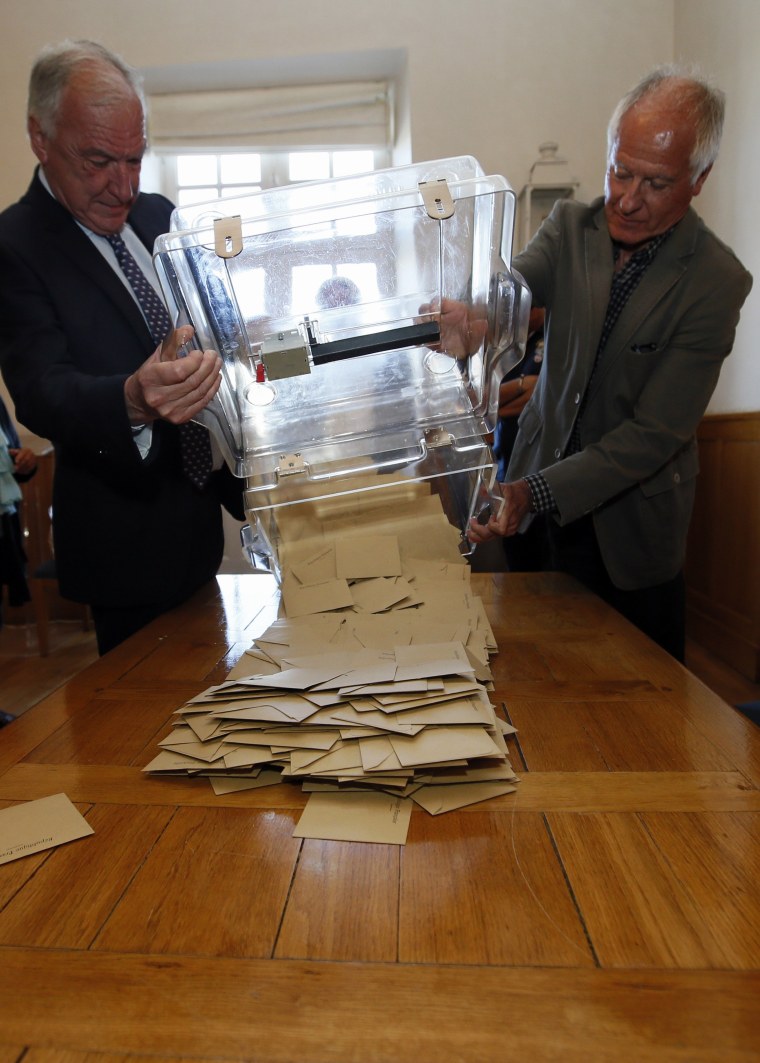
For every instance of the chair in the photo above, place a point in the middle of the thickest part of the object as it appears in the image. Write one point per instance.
(37, 518)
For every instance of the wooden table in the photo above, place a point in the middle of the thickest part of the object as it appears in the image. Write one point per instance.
(607, 911)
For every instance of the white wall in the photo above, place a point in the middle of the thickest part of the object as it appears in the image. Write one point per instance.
(491, 78)
(724, 39)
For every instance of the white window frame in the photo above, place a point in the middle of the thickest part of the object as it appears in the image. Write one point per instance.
(274, 166)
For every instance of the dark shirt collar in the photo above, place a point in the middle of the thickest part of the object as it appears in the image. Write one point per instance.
(645, 254)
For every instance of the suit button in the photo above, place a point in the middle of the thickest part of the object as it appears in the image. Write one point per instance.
(677, 477)
(558, 453)
(577, 398)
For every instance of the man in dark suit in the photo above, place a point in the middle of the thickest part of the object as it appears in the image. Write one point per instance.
(642, 302)
(133, 535)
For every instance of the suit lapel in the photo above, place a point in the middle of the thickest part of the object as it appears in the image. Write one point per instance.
(665, 271)
(598, 266)
(71, 242)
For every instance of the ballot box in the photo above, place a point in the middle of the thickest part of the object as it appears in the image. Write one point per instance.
(365, 324)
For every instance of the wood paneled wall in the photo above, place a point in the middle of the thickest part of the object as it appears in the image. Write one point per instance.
(723, 555)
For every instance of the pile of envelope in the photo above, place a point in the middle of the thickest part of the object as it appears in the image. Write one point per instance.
(413, 721)
(374, 681)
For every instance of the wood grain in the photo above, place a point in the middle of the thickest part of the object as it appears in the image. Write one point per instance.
(486, 888)
(66, 902)
(608, 910)
(343, 904)
(665, 890)
(280, 1011)
(215, 883)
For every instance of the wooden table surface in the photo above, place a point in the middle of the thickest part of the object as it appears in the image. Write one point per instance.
(606, 911)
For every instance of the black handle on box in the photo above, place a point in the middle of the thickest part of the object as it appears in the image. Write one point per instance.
(387, 340)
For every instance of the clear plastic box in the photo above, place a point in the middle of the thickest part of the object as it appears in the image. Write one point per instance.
(365, 325)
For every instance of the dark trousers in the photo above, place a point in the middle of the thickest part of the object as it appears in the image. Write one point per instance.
(114, 624)
(659, 611)
(528, 551)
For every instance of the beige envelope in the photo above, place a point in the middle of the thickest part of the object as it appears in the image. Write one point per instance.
(355, 817)
(205, 751)
(436, 745)
(361, 557)
(320, 598)
(435, 571)
(318, 567)
(228, 784)
(173, 763)
(379, 594)
(243, 756)
(34, 826)
(437, 799)
(436, 659)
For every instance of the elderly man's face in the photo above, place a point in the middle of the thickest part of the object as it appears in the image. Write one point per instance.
(648, 186)
(92, 161)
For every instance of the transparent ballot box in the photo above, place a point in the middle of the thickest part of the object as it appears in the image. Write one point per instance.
(365, 324)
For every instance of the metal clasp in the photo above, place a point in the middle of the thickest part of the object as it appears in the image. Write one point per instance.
(228, 236)
(290, 464)
(437, 198)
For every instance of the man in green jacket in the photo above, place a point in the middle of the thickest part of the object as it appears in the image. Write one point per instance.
(642, 303)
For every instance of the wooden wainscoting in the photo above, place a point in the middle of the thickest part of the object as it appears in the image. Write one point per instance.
(723, 555)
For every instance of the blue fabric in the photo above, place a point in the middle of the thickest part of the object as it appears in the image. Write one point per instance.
(10, 492)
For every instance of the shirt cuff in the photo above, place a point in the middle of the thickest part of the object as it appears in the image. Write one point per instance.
(541, 494)
(142, 436)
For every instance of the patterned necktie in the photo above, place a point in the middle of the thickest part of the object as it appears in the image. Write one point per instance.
(197, 459)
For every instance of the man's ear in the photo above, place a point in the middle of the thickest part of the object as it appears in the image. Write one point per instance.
(37, 139)
(696, 188)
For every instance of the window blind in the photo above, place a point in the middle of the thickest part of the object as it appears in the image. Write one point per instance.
(350, 114)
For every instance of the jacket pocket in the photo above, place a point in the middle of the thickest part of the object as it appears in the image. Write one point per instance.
(530, 422)
(680, 469)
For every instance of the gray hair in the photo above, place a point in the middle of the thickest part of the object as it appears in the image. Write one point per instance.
(58, 63)
(702, 104)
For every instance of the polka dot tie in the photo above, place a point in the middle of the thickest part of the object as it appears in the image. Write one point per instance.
(197, 459)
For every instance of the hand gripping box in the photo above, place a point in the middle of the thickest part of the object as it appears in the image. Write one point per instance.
(365, 325)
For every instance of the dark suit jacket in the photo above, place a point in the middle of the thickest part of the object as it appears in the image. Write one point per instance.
(127, 531)
(660, 365)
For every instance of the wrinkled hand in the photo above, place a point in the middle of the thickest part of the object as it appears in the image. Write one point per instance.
(172, 388)
(511, 399)
(517, 505)
(462, 331)
(24, 460)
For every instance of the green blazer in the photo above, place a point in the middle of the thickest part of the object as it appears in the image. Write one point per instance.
(636, 471)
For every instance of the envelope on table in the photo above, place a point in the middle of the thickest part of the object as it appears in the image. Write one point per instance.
(240, 757)
(379, 594)
(418, 661)
(344, 757)
(34, 826)
(437, 799)
(297, 678)
(436, 745)
(317, 598)
(174, 763)
(355, 817)
(228, 784)
(253, 663)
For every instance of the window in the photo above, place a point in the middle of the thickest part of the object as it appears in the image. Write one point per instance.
(221, 144)
(204, 176)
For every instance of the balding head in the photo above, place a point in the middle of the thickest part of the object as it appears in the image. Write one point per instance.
(86, 126)
(83, 66)
(692, 106)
